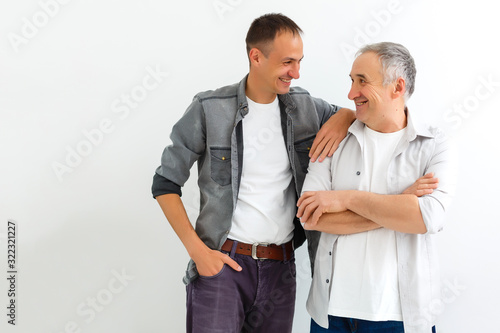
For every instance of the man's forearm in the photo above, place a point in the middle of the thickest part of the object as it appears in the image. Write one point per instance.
(173, 208)
(397, 212)
(343, 223)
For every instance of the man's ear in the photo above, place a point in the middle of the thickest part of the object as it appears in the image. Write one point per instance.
(255, 56)
(399, 88)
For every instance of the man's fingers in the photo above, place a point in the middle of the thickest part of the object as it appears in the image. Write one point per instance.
(424, 192)
(301, 206)
(334, 147)
(316, 142)
(305, 206)
(231, 263)
(308, 226)
(428, 180)
(304, 216)
(317, 147)
(428, 184)
(302, 198)
(326, 151)
(315, 217)
(308, 209)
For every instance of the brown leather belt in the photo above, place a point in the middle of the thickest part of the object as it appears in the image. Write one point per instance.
(262, 250)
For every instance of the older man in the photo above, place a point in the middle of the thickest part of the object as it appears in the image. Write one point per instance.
(375, 266)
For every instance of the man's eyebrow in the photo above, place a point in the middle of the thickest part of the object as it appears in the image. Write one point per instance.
(290, 58)
(358, 75)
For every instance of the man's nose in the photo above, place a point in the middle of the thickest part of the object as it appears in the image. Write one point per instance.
(353, 93)
(294, 71)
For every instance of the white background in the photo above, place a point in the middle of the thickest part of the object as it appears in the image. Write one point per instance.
(66, 74)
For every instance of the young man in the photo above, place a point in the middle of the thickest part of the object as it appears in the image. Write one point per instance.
(252, 142)
(376, 269)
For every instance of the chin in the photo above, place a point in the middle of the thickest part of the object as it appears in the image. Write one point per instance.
(283, 91)
(359, 116)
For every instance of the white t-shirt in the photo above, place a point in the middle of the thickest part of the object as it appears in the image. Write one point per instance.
(365, 275)
(265, 208)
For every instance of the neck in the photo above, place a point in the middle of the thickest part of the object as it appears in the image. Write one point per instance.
(254, 91)
(393, 121)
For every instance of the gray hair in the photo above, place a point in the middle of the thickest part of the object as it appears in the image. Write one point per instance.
(396, 62)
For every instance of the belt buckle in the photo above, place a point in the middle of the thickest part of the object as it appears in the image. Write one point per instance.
(254, 250)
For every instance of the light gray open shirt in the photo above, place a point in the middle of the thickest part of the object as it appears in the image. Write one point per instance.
(423, 149)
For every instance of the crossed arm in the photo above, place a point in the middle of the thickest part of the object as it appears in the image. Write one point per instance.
(348, 212)
(209, 262)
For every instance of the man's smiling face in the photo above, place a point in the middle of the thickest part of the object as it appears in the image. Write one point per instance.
(368, 92)
(282, 63)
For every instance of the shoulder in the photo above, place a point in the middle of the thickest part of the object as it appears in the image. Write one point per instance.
(300, 96)
(431, 132)
(424, 130)
(230, 91)
(297, 91)
(434, 139)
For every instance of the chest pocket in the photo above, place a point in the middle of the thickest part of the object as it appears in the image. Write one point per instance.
(302, 148)
(220, 165)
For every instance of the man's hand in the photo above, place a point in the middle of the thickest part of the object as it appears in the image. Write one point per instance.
(210, 262)
(424, 185)
(315, 203)
(331, 134)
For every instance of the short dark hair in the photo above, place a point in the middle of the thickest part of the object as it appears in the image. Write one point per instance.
(263, 30)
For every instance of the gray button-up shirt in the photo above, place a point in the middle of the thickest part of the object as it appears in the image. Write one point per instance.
(210, 133)
(422, 150)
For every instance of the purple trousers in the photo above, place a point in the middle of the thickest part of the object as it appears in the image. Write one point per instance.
(259, 299)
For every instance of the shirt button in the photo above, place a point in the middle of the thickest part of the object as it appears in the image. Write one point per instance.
(330, 253)
(358, 173)
(327, 281)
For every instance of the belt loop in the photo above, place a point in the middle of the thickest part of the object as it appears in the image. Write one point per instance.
(285, 259)
(233, 249)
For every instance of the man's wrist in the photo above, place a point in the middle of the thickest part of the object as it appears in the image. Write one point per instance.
(348, 114)
(350, 199)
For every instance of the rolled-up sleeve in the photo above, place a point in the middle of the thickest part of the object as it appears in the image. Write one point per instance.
(444, 165)
(188, 145)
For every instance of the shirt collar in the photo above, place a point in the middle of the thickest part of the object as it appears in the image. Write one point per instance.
(242, 98)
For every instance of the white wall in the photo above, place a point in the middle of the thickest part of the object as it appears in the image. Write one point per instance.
(94, 219)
